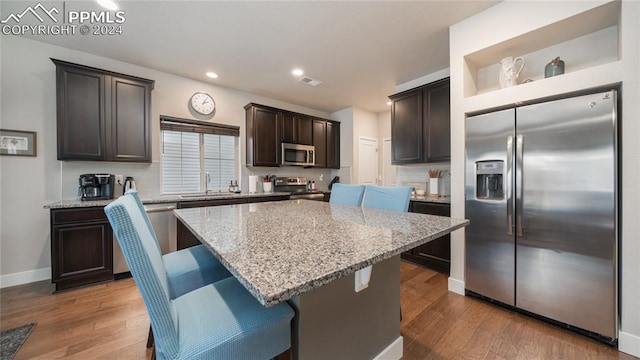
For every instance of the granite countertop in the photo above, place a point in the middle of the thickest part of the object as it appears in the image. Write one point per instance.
(161, 199)
(279, 250)
(432, 199)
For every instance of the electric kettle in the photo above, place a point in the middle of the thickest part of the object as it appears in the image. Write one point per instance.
(129, 184)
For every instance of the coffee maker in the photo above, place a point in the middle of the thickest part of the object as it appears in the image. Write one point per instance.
(96, 186)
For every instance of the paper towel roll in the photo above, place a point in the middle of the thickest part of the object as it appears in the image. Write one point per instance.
(253, 184)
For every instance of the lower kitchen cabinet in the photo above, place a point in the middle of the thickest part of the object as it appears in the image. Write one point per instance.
(435, 254)
(81, 247)
(186, 239)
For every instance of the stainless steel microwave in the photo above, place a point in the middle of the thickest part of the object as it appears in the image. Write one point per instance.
(301, 155)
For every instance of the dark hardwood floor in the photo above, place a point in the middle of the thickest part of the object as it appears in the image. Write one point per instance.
(109, 321)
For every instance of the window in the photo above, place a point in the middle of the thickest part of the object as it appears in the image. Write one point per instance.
(191, 149)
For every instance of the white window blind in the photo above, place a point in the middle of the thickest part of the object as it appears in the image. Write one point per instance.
(187, 156)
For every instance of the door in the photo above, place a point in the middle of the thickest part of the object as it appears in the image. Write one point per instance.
(490, 247)
(388, 169)
(367, 161)
(566, 244)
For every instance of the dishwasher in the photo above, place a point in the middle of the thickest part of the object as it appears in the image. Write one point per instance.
(164, 225)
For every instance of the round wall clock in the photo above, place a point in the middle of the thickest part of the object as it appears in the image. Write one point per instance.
(202, 103)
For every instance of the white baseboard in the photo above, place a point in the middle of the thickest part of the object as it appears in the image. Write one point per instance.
(25, 277)
(628, 343)
(391, 352)
(456, 286)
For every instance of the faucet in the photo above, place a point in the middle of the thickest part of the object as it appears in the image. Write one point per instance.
(207, 178)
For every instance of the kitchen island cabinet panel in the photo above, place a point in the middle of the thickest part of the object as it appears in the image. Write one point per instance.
(435, 254)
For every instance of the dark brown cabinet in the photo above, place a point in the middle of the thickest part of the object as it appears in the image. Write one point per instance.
(268, 128)
(81, 247)
(186, 239)
(420, 124)
(320, 142)
(297, 129)
(333, 145)
(263, 135)
(435, 254)
(102, 115)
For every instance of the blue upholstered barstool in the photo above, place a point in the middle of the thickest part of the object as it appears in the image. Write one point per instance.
(347, 194)
(187, 269)
(217, 321)
(387, 197)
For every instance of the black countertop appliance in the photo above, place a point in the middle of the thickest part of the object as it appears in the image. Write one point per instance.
(96, 186)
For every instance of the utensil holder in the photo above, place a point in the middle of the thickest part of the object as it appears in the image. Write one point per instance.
(433, 186)
(266, 187)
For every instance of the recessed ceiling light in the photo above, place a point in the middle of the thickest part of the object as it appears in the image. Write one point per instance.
(212, 75)
(297, 72)
(389, 103)
(108, 4)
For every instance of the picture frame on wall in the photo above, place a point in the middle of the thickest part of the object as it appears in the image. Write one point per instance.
(18, 143)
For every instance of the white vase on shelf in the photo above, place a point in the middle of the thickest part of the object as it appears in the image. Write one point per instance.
(509, 71)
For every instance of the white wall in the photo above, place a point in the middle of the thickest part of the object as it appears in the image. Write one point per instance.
(26, 184)
(354, 123)
(509, 20)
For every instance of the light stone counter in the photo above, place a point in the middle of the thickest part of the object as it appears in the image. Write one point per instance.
(279, 250)
(432, 199)
(161, 199)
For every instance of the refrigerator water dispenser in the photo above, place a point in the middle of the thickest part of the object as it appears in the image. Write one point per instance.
(489, 180)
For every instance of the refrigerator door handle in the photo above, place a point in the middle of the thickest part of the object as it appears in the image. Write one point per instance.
(509, 184)
(519, 185)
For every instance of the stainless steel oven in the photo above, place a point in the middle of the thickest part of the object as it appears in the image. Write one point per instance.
(296, 154)
(297, 187)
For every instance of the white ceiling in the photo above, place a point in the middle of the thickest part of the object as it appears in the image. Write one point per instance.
(360, 50)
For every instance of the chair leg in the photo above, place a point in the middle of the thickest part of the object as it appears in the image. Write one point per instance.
(150, 340)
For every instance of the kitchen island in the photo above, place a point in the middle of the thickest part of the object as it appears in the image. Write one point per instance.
(308, 253)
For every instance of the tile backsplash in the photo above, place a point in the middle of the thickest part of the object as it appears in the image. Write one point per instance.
(418, 177)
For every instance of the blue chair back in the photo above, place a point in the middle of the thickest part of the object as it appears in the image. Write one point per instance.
(145, 263)
(387, 197)
(134, 194)
(346, 194)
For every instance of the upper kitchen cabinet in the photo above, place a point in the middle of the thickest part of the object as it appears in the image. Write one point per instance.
(268, 128)
(320, 142)
(333, 144)
(326, 139)
(297, 129)
(102, 115)
(263, 135)
(420, 124)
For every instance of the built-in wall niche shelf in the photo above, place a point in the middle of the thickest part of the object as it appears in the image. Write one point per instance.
(586, 40)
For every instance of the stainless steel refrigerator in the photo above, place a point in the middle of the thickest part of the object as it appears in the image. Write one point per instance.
(541, 195)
